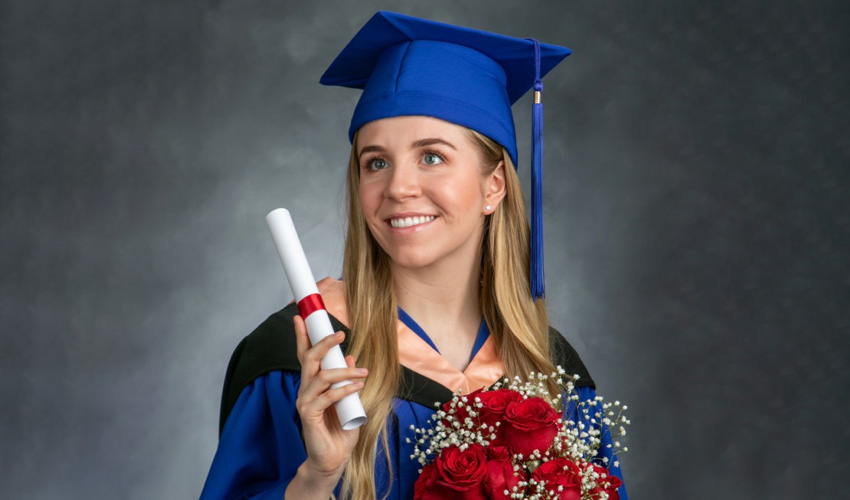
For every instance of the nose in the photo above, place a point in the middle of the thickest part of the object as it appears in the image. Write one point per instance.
(403, 183)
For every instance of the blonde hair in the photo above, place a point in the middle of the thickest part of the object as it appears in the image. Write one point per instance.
(518, 325)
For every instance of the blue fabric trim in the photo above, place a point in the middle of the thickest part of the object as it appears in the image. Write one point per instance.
(483, 335)
(413, 325)
(480, 337)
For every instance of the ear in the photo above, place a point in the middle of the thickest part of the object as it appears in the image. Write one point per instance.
(494, 188)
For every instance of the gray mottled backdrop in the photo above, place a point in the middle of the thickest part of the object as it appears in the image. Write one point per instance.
(696, 207)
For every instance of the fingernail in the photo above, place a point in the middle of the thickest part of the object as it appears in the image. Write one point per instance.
(362, 371)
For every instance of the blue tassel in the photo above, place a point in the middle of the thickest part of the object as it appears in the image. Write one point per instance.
(537, 278)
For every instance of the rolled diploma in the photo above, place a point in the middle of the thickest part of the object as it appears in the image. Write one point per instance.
(349, 409)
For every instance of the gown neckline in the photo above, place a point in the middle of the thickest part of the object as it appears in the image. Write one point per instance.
(480, 338)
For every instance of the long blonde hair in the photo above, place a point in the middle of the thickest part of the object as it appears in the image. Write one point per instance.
(519, 326)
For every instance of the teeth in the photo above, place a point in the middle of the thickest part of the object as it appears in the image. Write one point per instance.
(411, 221)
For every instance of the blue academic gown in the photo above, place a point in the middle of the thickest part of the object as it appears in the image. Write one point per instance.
(260, 446)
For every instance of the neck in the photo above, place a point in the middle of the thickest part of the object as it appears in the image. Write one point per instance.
(443, 299)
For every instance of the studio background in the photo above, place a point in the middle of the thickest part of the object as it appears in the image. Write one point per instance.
(696, 212)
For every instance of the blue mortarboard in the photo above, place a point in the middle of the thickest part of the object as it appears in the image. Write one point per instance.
(411, 66)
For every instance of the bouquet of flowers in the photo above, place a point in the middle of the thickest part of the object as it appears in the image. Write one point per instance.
(512, 442)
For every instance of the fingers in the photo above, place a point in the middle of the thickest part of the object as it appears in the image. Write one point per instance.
(311, 357)
(330, 397)
(323, 380)
(316, 393)
(317, 396)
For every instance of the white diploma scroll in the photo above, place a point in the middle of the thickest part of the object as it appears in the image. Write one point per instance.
(349, 409)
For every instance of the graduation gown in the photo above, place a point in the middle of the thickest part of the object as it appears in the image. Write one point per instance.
(260, 445)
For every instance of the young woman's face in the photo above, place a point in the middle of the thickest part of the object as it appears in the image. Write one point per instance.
(422, 191)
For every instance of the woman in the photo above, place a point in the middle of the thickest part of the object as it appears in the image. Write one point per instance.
(437, 231)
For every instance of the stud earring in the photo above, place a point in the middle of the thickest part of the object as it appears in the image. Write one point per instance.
(487, 208)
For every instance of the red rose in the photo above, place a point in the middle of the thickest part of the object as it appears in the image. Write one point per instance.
(460, 411)
(606, 482)
(560, 473)
(455, 474)
(530, 424)
(493, 409)
(498, 450)
(500, 473)
(425, 483)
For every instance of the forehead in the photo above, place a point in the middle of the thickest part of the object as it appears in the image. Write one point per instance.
(402, 131)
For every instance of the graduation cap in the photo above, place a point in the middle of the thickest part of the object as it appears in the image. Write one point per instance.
(411, 66)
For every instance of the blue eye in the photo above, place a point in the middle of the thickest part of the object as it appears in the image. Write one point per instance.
(377, 164)
(432, 159)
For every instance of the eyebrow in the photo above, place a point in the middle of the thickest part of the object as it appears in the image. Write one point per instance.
(416, 144)
(370, 149)
(430, 142)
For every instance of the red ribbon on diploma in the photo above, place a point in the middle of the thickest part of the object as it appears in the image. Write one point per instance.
(310, 304)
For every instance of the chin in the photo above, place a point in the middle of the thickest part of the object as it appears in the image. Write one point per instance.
(410, 262)
(410, 259)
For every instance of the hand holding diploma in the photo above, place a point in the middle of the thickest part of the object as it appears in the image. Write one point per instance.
(326, 376)
(312, 310)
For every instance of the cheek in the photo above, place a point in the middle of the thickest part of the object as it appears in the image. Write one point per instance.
(368, 203)
(468, 194)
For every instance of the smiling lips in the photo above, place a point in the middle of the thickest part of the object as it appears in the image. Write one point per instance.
(411, 221)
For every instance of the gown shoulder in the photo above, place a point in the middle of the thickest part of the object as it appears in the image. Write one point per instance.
(564, 355)
(270, 347)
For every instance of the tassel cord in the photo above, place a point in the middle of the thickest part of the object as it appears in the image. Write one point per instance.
(536, 264)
